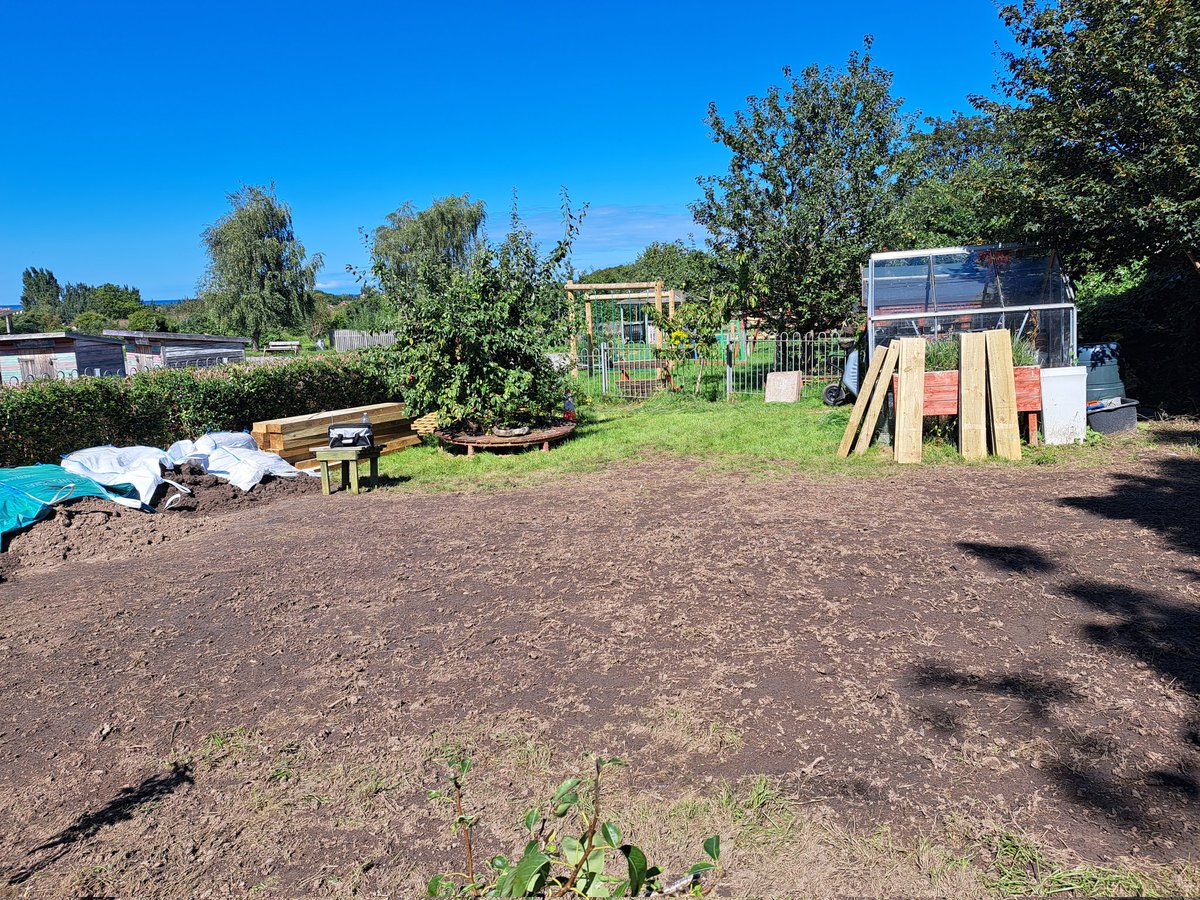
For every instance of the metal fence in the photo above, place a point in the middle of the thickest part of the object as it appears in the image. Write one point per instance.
(122, 372)
(736, 368)
(344, 339)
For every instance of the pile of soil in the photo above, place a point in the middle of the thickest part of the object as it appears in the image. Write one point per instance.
(90, 527)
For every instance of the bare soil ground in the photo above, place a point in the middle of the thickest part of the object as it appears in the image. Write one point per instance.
(257, 699)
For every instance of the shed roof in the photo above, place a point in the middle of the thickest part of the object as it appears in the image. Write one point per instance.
(168, 336)
(48, 335)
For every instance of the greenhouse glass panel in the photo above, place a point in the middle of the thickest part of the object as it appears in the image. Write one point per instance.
(942, 292)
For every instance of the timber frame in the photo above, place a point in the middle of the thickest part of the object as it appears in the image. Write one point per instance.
(616, 292)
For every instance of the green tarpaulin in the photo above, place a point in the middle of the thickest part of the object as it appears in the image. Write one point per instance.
(28, 492)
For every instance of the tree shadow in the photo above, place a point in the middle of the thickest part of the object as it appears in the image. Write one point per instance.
(1079, 764)
(1038, 693)
(119, 809)
(1168, 503)
(1013, 557)
(1160, 632)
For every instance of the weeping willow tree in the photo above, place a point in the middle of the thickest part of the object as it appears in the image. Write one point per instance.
(445, 234)
(259, 278)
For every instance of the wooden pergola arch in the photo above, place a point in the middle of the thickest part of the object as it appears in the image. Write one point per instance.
(616, 292)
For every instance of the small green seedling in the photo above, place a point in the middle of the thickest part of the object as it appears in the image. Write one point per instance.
(555, 863)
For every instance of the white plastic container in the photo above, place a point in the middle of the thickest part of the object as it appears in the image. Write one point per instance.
(1064, 404)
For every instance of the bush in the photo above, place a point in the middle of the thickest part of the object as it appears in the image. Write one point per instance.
(44, 420)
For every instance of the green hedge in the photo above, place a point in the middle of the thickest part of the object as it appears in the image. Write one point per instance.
(41, 421)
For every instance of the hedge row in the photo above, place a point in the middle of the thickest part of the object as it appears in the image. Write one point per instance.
(41, 421)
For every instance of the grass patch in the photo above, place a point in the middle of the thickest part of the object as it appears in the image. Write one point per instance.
(748, 436)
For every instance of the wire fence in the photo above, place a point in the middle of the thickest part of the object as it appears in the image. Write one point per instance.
(735, 368)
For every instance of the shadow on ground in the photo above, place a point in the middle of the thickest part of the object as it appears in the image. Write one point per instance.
(1168, 502)
(118, 809)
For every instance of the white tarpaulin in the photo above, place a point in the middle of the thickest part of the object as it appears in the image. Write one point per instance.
(108, 465)
(231, 456)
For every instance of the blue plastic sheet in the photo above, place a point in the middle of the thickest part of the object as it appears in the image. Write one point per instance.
(28, 492)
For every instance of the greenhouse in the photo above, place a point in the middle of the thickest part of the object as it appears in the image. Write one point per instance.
(946, 291)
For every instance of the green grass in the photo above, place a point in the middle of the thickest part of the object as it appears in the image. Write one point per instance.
(747, 436)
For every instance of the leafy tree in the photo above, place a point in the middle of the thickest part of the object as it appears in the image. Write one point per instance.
(109, 300)
(259, 278)
(809, 191)
(473, 335)
(91, 322)
(448, 231)
(36, 321)
(40, 289)
(677, 265)
(115, 301)
(147, 318)
(954, 181)
(1107, 113)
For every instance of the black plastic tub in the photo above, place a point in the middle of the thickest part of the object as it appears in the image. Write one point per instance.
(1115, 419)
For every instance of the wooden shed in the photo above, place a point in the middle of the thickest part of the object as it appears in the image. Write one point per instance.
(58, 354)
(167, 349)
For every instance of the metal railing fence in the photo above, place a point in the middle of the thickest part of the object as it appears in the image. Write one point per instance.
(734, 368)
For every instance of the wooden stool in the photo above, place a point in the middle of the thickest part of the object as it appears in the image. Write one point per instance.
(349, 457)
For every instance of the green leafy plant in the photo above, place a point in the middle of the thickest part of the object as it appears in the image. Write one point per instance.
(691, 334)
(556, 863)
(942, 355)
(473, 329)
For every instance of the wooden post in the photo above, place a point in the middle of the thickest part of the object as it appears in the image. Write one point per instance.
(1002, 394)
(574, 337)
(658, 292)
(910, 405)
(671, 302)
(972, 396)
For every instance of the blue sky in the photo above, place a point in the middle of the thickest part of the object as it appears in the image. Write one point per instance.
(125, 125)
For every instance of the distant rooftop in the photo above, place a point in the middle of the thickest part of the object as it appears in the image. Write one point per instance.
(160, 336)
(51, 335)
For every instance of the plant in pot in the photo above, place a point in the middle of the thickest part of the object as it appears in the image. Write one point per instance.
(474, 329)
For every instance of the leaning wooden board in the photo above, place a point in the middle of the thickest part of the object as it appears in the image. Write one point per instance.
(1002, 394)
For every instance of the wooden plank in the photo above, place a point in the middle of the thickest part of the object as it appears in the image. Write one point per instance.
(910, 403)
(613, 286)
(1002, 395)
(860, 402)
(972, 396)
(302, 457)
(328, 417)
(871, 419)
(306, 436)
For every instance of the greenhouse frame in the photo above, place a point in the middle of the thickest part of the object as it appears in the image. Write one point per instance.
(939, 292)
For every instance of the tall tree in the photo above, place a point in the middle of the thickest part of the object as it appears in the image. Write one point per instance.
(445, 233)
(259, 278)
(674, 263)
(1107, 110)
(40, 289)
(809, 191)
(953, 180)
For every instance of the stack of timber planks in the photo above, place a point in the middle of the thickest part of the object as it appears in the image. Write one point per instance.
(987, 398)
(295, 437)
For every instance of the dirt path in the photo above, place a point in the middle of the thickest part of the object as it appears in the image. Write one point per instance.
(1001, 645)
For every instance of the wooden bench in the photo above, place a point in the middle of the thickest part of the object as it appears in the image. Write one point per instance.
(283, 347)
